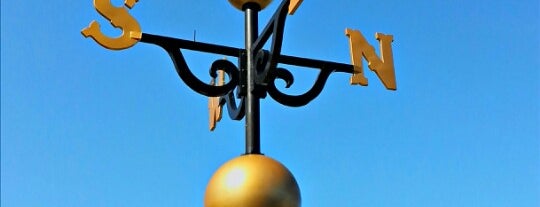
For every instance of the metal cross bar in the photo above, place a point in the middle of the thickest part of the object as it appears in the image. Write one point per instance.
(164, 41)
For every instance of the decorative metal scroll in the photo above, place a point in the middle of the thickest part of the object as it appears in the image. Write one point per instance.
(275, 29)
(221, 93)
(267, 71)
(296, 100)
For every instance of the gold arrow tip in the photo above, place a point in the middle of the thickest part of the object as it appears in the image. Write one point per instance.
(294, 5)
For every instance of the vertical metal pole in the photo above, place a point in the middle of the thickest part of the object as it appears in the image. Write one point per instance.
(253, 144)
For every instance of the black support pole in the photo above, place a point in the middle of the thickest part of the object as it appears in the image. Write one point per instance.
(253, 132)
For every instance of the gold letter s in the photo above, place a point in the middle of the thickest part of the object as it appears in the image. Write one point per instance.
(119, 18)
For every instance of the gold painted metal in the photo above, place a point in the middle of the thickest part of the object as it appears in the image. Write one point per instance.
(240, 3)
(383, 67)
(294, 5)
(119, 18)
(252, 181)
(215, 110)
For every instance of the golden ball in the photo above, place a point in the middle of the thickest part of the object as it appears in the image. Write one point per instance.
(252, 181)
(240, 3)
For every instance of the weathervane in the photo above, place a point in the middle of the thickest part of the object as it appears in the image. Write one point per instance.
(251, 179)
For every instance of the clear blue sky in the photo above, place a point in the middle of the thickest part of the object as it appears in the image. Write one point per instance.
(84, 126)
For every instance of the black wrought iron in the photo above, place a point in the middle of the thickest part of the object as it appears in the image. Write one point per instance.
(174, 50)
(254, 77)
(295, 100)
(274, 28)
(252, 108)
(256, 73)
(236, 112)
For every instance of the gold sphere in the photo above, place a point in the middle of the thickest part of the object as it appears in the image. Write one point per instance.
(252, 181)
(240, 3)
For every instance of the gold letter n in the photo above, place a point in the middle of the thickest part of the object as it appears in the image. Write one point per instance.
(383, 67)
